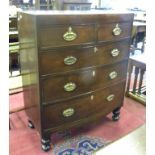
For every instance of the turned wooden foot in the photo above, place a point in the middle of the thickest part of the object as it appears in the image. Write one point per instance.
(116, 114)
(45, 144)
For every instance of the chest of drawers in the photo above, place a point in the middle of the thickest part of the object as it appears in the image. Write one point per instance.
(74, 67)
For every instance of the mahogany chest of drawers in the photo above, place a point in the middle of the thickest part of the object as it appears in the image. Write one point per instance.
(74, 67)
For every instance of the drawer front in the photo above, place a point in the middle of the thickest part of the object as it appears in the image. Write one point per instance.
(76, 83)
(79, 108)
(115, 31)
(71, 59)
(56, 36)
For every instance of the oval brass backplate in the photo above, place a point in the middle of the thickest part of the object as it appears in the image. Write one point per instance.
(110, 97)
(117, 30)
(70, 87)
(113, 75)
(70, 60)
(69, 35)
(68, 112)
(115, 52)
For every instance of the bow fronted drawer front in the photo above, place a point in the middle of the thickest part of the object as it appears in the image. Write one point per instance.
(79, 82)
(82, 108)
(69, 59)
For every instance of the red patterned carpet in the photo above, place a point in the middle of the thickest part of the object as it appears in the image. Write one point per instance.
(26, 141)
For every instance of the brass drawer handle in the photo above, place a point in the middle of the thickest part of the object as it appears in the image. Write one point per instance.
(110, 97)
(70, 60)
(19, 17)
(69, 86)
(68, 112)
(115, 52)
(113, 75)
(117, 30)
(69, 35)
(95, 49)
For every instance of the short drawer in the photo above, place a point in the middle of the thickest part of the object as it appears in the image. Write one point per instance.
(71, 59)
(57, 36)
(81, 108)
(114, 31)
(76, 83)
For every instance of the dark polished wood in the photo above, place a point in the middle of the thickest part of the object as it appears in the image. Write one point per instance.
(74, 80)
(44, 19)
(85, 81)
(105, 32)
(85, 106)
(53, 36)
(86, 57)
(116, 114)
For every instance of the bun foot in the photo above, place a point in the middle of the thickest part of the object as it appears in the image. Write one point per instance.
(116, 114)
(45, 145)
(115, 118)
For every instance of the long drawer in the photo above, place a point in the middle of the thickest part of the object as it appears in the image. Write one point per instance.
(83, 107)
(76, 83)
(71, 59)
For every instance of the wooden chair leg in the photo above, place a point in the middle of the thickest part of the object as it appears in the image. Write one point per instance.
(143, 46)
(135, 79)
(141, 81)
(130, 68)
